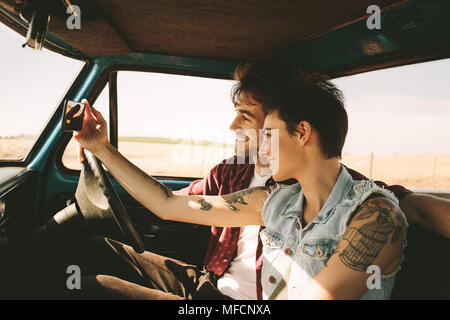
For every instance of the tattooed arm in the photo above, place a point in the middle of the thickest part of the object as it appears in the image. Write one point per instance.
(373, 237)
(233, 210)
(237, 209)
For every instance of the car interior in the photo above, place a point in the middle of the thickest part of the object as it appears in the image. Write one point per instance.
(203, 40)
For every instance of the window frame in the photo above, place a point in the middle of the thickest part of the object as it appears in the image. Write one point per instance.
(98, 87)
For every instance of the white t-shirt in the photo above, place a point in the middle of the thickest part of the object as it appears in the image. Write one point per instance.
(239, 281)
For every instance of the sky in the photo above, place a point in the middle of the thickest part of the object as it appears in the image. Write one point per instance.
(403, 110)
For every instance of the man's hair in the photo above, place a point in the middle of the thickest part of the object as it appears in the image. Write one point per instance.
(297, 96)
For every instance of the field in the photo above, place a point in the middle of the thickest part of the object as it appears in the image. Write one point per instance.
(195, 159)
(15, 148)
(426, 171)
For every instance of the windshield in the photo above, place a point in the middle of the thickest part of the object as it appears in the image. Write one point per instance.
(31, 85)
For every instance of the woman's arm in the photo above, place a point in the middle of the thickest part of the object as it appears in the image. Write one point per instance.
(374, 237)
(237, 209)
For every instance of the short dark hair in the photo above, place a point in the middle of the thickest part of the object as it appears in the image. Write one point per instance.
(279, 85)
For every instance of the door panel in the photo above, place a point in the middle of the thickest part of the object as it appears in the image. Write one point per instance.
(17, 203)
(424, 272)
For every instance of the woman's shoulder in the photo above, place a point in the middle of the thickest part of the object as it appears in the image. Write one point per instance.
(361, 190)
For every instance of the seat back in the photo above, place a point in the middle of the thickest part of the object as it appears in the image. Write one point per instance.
(425, 272)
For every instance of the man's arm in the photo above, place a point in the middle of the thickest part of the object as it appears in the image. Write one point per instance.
(345, 275)
(428, 211)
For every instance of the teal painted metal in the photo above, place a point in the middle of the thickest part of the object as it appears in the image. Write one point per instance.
(168, 62)
(99, 65)
(56, 181)
(42, 156)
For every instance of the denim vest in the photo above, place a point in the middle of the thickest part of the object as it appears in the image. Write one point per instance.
(302, 251)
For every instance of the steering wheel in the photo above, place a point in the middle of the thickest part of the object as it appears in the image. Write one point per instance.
(98, 202)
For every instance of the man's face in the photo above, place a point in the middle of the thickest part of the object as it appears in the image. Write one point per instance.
(246, 125)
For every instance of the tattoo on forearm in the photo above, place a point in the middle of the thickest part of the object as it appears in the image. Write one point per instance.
(204, 205)
(366, 242)
(231, 200)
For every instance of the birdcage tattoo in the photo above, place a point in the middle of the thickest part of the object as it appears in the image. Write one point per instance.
(366, 242)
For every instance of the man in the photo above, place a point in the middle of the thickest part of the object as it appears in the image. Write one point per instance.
(234, 254)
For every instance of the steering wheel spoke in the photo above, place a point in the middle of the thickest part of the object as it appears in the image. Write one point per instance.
(98, 201)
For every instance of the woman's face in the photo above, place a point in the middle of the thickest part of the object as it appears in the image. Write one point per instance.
(283, 151)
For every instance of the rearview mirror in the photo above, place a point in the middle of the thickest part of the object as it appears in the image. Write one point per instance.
(37, 25)
(73, 116)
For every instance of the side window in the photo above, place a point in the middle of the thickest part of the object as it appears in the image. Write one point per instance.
(172, 125)
(399, 125)
(169, 125)
(70, 155)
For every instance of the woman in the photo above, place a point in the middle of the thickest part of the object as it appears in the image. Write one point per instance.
(321, 239)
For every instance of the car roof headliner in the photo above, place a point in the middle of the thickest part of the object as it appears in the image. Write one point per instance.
(219, 29)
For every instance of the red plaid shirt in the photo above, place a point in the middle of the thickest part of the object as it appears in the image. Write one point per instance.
(224, 178)
(230, 177)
